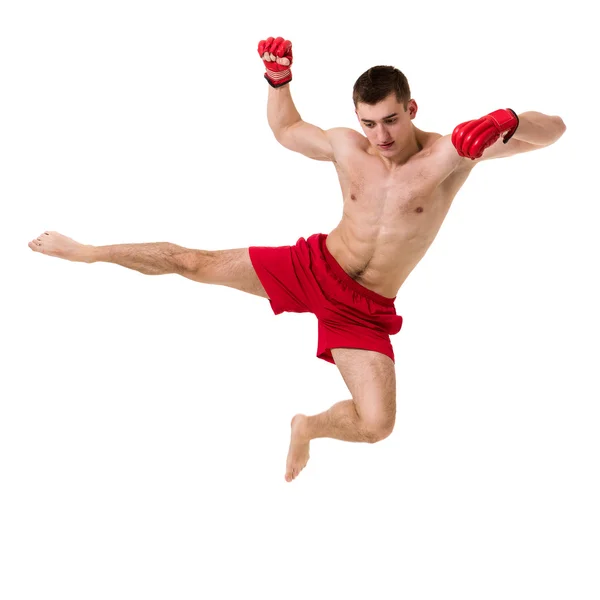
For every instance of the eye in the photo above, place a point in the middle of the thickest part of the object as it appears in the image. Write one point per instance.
(391, 121)
(369, 125)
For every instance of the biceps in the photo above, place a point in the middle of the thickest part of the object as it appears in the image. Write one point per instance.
(307, 139)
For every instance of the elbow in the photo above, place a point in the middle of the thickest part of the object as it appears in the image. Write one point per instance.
(554, 129)
(275, 128)
(279, 135)
(283, 133)
(560, 127)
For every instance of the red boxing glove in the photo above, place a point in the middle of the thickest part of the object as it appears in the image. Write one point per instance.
(471, 138)
(277, 56)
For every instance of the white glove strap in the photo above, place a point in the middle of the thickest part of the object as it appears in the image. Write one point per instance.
(276, 76)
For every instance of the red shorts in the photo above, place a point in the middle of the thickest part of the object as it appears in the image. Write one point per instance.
(306, 278)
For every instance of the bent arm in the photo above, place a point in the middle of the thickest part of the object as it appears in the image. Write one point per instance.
(281, 110)
(536, 130)
(291, 131)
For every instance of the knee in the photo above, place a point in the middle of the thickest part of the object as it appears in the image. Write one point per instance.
(193, 263)
(377, 428)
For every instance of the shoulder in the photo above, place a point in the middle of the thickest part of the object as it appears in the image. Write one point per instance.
(442, 150)
(345, 135)
(438, 148)
(428, 139)
(346, 142)
(438, 158)
(439, 144)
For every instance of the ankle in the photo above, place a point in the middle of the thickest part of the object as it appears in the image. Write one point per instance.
(301, 427)
(92, 254)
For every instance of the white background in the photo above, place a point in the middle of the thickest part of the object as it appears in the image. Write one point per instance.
(144, 421)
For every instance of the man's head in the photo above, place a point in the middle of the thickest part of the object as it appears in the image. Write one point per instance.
(384, 108)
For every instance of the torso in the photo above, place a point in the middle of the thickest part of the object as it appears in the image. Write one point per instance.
(390, 216)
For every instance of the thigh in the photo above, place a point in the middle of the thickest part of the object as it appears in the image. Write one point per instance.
(371, 379)
(231, 268)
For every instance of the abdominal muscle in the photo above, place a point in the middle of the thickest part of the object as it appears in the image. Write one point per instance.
(388, 224)
(379, 258)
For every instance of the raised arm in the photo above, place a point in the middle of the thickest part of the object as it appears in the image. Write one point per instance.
(291, 131)
(284, 119)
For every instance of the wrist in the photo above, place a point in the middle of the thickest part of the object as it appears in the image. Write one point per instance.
(92, 254)
(278, 78)
(506, 121)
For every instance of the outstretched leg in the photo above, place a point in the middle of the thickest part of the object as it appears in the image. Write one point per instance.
(231, 268)
(368, 417)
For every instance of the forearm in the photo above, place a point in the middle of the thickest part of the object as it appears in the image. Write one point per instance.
(281, 111)
(538, 128)
(151, 259)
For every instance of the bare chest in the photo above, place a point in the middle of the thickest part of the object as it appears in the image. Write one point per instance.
(406, 202)
(390, 219)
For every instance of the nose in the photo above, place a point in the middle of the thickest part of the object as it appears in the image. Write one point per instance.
(383, 136)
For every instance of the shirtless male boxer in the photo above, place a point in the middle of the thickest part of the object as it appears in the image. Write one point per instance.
(398, 183)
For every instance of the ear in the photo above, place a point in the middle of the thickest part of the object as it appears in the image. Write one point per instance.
(412, 108)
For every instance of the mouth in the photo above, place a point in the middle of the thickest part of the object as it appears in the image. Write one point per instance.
(386, 146)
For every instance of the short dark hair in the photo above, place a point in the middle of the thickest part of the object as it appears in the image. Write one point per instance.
(378, 83)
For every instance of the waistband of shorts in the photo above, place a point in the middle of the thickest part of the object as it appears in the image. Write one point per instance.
(347, 280)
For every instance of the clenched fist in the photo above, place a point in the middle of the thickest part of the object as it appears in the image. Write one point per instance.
(471, 138)
(277, 56)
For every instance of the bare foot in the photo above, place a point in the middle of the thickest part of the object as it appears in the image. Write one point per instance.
(61, 246)
(298, 454)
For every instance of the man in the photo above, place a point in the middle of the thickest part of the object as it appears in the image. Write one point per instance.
(398, 183)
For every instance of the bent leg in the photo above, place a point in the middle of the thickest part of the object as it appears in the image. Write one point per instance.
(368, 417)
(371, 413)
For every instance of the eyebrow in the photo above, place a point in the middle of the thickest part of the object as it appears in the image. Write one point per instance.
(384, 118)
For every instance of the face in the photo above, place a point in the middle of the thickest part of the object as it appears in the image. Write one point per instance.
(387, 124)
